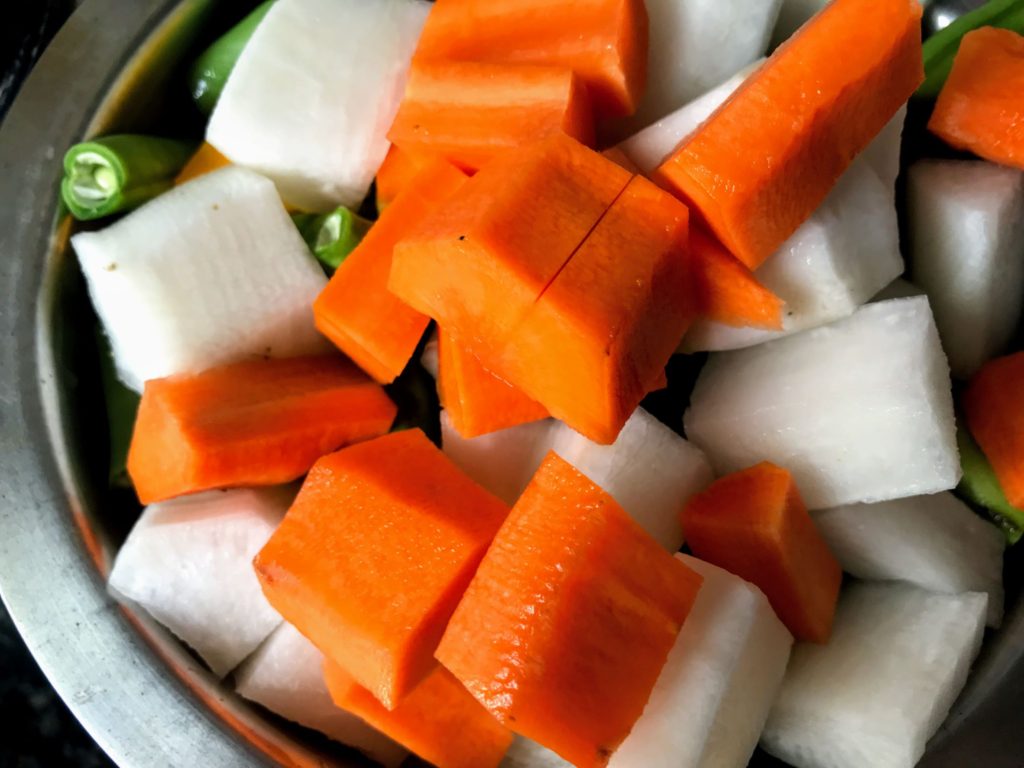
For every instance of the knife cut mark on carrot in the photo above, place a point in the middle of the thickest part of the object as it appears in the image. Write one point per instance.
(253, 423)
(374, 554)
(754, 524)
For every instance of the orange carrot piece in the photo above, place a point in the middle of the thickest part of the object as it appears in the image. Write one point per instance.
(564, 630)
(754, 524)
(468, 112)
(766, 158)
(478, 263)
(374, 554)
(621, 159)
(205, 160)
(356, 310)
(261, 422)
(477, 401)
(438, 720)
(995, 417)
(395, 174)
(603, 41)
(979, 108)
(599, 337)
(726, 291)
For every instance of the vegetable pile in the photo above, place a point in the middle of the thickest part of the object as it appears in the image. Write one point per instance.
(538, 215)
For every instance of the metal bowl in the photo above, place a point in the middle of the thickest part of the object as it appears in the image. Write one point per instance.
(141, 694)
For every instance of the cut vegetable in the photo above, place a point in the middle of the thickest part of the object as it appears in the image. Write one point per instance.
(649, 470)
(214, 65)
(860, 410)
(210, 273)
(356, 310)
(332, 236)
(800, 118)
(651, 146)
(438, 720)
(478, 402)
(967, 238)
(845, 253)
(754, 524)
(726, 291)
(565, 627)
(529, 754)
(286, 676)
(272, 115)
(793, 15)
(502, 462)
(935, 542)
(122, 404)
(117, 173)
(898, 289)
(395, 173)
(694, 46)
(386, 517)
(603, 41)
(978, 109)
(879, 690)
(995, 417)
(468, 112)
(980, 486)
(713, 695)
(204, 160)
(187, 563)
(939, 50)
(257, 423)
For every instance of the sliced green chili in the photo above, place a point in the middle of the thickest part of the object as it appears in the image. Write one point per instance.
(940, 49)
(331, 236)
(122, 405)
(210, 71)
(980, 486)
(121, 172)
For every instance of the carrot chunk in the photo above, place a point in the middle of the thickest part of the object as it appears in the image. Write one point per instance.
(468, 112)
(477, 401)
(598, 338)
(754, 524)
(726, 291)
(356, 310)
(767, 157)
(979, 108)
(995, 418)
(438, 720)
(479, 262)
(374, 554)
(564, 630)
(261, 422)
(205, 160)
(395, 174)
(603, 41)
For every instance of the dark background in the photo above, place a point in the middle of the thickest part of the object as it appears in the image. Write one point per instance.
(38, 730)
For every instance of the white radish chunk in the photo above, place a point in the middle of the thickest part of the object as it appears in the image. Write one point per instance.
(898, 289)
(695, 45)
(429, 358)
(211, 272)
(839, 258)
(313, 94)
(883, 684)
(649, 147)
(714, 693)
(967, 253)
(286, 676)
(649, 470)
(859, 411)
(793, 15)
(188, 564)
(525, 753)
(935, 542)
(503, 461)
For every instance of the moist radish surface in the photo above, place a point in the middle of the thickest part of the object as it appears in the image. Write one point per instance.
(534, 383)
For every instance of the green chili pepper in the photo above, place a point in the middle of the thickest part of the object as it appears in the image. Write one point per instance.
(118, 173)
(122, 405)
(940, 49)
(331, 236)
(980, 486)
(210, 71)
